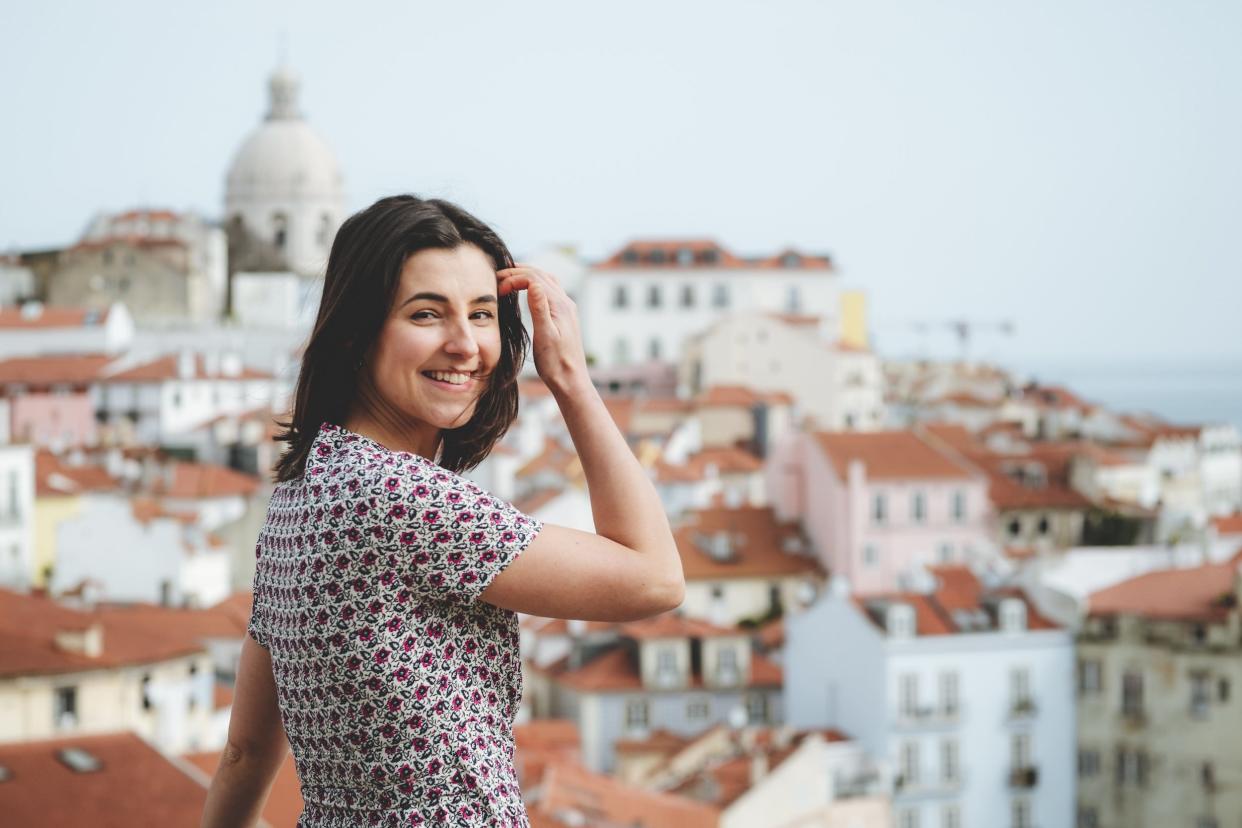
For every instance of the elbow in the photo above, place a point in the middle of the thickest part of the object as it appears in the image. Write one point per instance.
(668, 595)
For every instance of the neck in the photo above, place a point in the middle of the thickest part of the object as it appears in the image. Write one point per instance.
(395, 434)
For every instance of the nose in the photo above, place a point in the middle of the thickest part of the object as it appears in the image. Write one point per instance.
(460, 339)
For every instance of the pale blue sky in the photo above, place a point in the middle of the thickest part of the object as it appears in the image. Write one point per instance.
(1075, 167)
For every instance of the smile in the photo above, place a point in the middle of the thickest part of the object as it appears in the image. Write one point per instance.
(449, 379)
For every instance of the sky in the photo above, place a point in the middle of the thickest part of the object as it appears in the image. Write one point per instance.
(1073, 168)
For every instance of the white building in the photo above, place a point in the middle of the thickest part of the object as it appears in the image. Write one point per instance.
(135, 549)
(16, 514)
(968, 692)
(284, 185)
(34, 329)
(646, 300)
(285, 301)
(838, 386)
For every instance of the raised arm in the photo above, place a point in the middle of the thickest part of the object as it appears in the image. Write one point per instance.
(630, 568)
(255, 749)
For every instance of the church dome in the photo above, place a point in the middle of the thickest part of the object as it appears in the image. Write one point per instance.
(283, 158)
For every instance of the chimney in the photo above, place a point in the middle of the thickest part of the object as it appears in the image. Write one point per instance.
(758, 765)
(87, 641)
(185, 364)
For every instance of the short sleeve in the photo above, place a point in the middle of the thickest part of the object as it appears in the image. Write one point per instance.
(455, 537)
(257, 627)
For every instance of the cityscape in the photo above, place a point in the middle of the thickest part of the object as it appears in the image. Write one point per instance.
(921, 592)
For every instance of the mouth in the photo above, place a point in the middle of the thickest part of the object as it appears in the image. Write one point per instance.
(450, 380)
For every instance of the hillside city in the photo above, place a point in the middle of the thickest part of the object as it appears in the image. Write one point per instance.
(919, 594)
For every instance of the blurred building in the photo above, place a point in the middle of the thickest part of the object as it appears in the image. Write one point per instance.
(166, 267)
(35, 329)
(1158, 677)
(284, 193)
(643, 302)
(966, 690)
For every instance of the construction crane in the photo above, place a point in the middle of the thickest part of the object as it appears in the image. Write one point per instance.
(964, 329)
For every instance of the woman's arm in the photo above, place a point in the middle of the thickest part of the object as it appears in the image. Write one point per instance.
(631, 567)
(256, 746)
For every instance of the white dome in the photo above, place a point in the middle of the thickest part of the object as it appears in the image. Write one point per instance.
(283, 158)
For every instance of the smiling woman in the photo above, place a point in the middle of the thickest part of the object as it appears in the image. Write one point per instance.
(383, 642)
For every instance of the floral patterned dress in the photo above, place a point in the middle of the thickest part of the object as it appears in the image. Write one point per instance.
(397, 685)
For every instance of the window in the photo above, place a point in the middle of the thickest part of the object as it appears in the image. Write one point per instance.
(720, 295)
(65, 707)
(949, 770)
(280, 230)
(1200, 694)
(654, 298)
(791, 259)
(1088, 762)
(1088, 817)
(656, 256)
(685, 257)
(951, 817)
(620, 297)
(687, 296)
(653, 349)
(910, 763)
(636, 714)
(666, 672)
(945, 553)
(908, 818)
(793, 299)
(918, 507)
(1042, 526)
(717, 591)
(908, 694)
(1088, 677)
(757, 708)
(621, 351)
(1021, 812)
(1132, 767)
(949, 693)
(324, 232)
(1132, 694)
(871, 555)
(630, 256)
(698, 709)
(959, 506)
(879, 508)
(1222, 690)
(1019, 687)
(1020, 751)
(726, 666)
(1015, 528)
(146, 692)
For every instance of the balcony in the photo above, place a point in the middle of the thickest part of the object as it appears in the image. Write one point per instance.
(927, 717)
(1022, 708)
(1134, 716)
(1023, 777)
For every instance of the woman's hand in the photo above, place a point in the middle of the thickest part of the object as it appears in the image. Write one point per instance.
(556, 342)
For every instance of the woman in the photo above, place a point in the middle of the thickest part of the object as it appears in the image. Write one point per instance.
(383, 644)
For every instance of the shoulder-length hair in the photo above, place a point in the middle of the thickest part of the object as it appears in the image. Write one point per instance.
(364, 271)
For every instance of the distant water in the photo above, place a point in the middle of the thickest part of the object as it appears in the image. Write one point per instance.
(1181, 391)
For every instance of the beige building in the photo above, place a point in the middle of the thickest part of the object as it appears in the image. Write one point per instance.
(1158, 712)
(65, 672)
(166, 267)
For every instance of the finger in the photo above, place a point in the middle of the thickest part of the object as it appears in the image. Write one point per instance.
(540, 307)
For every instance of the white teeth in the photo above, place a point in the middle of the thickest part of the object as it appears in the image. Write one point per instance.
(449, 377)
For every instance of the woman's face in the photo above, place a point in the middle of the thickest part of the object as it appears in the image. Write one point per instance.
(441, 339)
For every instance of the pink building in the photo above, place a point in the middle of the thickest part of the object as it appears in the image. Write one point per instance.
(879, 506)
(49, 399)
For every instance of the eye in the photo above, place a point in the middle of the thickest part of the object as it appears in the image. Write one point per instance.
(482, 314)
(423, 315)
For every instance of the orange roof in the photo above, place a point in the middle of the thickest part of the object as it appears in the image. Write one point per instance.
(772, 634)
(134, 785)
(227, 619)
(963, 399)
(52, 477)
(165, 368)
(1201, 593)
(657, 741)
(52, 317)
(673, 625)
(147, 509)
(755, 541)
(535, 501)
(797, 319)
(1228, 525)
(665, 252)
(604, 801)
(739, 396)
(890, 455)
(533, 388)
(957, 590)
(40, 372)
(203, 480)
(622, 411)
(284, 800)
(554, 458)
(541, 742)
(616, 670)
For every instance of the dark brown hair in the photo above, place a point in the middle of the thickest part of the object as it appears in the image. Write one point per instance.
(364, 271)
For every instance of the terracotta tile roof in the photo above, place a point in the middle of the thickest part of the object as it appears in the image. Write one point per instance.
(53, 477)
(964, 399)
(1054, 396)
(771, 636)
(284, 801)
(706, 253)
(739, 396)
(221, 695)
(147, 509)
(657, 741)
(541, 742)
(533, 388)
(1228, 525)
(616, 670)
(800, 320)
(12, 317)
(957, 591)
(1201, 593)
(605, 802)
(227, 619)
(891, 455)
(205, 480)
(756, 543)
(535, 501)
(622, 411)
(1004, 490)
(165, 368)
(134, 785)
(559, 626)
(955, 436)
(40, 372)
(555, 459)
(672, 625)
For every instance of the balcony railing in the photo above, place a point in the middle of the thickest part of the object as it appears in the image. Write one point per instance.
(927, 717)
(1022, 708)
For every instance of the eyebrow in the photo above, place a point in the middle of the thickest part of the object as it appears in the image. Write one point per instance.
(437, 297)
